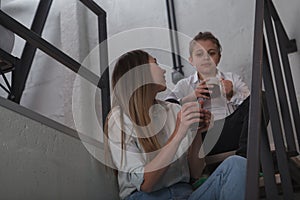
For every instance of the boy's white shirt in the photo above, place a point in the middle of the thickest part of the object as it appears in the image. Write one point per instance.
(220, 107)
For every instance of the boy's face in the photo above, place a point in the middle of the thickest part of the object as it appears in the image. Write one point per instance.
(205, 57)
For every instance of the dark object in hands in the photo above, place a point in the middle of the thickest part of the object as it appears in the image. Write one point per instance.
(215, 91)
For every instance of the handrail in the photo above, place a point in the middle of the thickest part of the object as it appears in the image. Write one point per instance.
(278, 76)
(22, 69)
(287, 46)
(49, 122)
(48, 48)
(38, 42)
(259, 154)
(93, 7)
(255, 106)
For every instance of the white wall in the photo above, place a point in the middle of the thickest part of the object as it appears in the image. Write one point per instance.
(231, 21)
(48, 89)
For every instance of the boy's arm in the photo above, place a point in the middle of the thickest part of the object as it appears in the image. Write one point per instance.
(180, 91)
(240, 90)
(175, 95)
(193, 94)
(184, 92)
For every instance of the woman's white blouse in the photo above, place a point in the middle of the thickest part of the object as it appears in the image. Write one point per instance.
(130, 164)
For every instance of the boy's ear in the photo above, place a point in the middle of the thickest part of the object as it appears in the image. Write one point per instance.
(190, 59)
(219, 59)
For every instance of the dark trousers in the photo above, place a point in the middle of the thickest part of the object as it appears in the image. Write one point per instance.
(231, 133)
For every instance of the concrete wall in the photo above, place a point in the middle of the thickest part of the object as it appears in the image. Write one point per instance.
(43, 91)
(73, 28)
(40, 162)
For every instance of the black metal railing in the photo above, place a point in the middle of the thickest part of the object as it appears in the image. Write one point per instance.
(284, 122)
(22, 68)
(7, 65)
(35, 41)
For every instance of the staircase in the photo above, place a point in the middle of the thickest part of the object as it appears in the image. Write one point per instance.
(279, 165)
(42, 159)
(46, 160)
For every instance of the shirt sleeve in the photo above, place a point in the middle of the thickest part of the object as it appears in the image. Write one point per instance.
(181, 89)
(129, 161)
(240, 90)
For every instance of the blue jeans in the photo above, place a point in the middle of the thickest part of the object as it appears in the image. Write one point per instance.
(227, 182)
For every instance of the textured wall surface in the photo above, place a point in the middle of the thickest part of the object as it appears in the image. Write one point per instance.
(73, 28)
(38, 162)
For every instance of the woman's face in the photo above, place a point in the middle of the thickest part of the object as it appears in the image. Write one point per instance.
(157, 73)
(205, 56)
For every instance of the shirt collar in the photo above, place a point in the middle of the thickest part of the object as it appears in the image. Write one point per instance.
(195, 76)
(220, 74)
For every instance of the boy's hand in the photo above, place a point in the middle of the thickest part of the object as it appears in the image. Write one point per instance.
(202, 90)
(227, 88)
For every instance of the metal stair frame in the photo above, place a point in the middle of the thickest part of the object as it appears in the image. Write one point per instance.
(35, 41)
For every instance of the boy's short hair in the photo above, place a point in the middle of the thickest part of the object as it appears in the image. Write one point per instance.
(204, 36)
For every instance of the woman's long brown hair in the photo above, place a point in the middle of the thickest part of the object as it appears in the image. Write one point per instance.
(134, 100)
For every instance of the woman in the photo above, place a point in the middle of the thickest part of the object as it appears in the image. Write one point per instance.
(151, 144)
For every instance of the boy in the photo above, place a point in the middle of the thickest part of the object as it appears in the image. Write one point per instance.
(231, 114)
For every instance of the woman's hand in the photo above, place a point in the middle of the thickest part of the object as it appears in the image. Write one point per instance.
(207, 122)
(192, 113)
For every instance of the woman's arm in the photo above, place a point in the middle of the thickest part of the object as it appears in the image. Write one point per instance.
(197, 163)
(189, 114)
(156, 168)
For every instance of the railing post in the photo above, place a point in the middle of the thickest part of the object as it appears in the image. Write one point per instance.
(104, 67)
(22, 69)
(276, 129)
(252, 190)
(287, 46)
